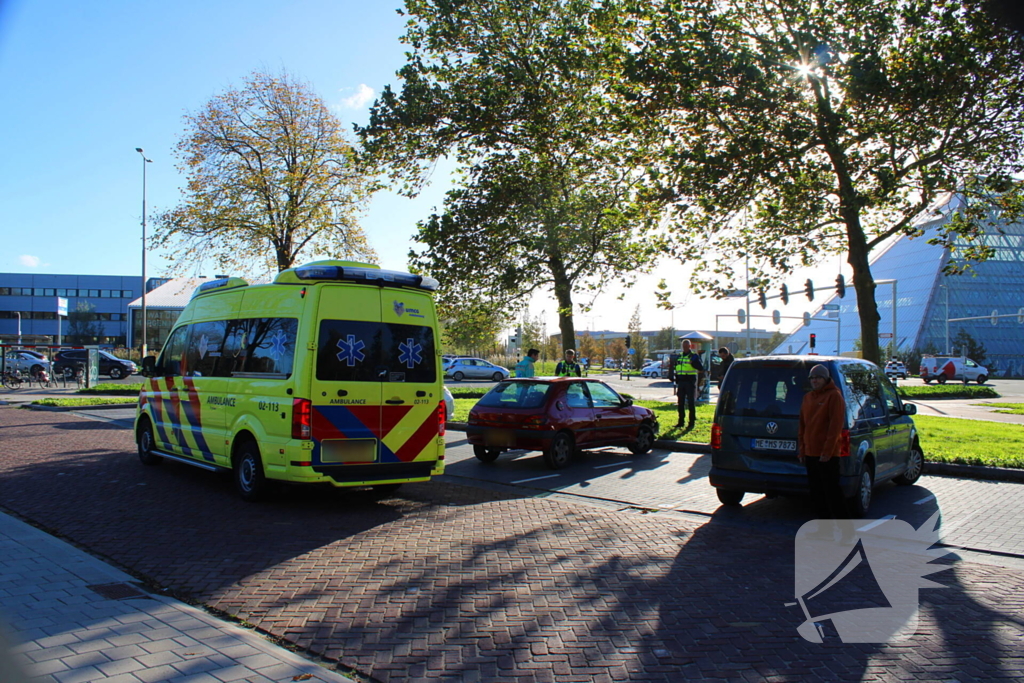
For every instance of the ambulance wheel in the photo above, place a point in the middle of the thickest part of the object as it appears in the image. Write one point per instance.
(458, 376)
(941, 379)
(486, 454)
(982, 379)
(250, 482)
(145, 441)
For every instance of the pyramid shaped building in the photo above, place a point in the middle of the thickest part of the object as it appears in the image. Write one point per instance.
(926, 298)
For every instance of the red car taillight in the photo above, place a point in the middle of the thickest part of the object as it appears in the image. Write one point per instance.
(302, 418)
(844, 443)
(716, 436)
(442, 416)
(535, 421)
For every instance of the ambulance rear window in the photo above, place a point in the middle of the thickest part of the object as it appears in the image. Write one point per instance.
(358, 351)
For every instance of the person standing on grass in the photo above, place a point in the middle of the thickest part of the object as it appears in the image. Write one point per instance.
(525, 367)
(684, 374)
(568, 367)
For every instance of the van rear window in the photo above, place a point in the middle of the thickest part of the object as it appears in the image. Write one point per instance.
(359, 351)
(769, 390)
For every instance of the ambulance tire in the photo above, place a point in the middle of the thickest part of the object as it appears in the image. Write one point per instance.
(250, 482)
(145, 442)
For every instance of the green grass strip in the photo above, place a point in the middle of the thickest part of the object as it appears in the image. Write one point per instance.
(97, 401)
(1005, 408)
(929, 391)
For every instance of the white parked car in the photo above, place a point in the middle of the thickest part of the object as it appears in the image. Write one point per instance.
(23, 361)
(475, 368)
(653, 370)
(895, 368)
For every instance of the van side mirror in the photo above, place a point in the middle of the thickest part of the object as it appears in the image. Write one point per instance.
(909, 409)
(148, 366)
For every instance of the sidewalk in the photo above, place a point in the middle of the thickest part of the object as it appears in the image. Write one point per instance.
(77, 619)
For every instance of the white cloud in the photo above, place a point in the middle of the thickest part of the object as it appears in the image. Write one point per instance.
(362, 96)
(30, 261)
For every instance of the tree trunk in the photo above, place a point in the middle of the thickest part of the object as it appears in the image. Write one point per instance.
(563, 295)
(864, 285)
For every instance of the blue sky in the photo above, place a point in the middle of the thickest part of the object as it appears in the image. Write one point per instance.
(85, 83)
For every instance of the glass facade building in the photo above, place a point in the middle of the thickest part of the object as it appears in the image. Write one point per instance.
(930, 306)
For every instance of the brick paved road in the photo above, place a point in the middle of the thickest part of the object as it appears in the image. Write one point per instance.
(464, 584)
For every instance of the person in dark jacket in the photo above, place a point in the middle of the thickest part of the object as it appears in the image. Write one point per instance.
(684, 374)
(727, 359)
(819, 443)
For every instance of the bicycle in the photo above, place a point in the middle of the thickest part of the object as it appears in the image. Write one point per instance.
(11, 380)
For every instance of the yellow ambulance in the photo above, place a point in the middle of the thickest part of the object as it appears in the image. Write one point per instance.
(331, 374)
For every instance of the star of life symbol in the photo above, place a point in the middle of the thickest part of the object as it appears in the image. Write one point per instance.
(204, 346)
(351, 350)
(858, 578)
(277, 344)
(410, 353)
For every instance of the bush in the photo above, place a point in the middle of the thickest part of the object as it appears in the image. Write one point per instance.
(113, 389)
(946, 391)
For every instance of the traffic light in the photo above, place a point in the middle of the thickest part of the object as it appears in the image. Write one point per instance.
(840, 285)
(809, 289)
(784, 294)
(629, 341)
(762, 299)
(813, 338)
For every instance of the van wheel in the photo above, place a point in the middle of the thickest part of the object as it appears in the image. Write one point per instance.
(486, 454)
(982, 379)
(116, 373)
(858, 505)
(458, 377)
(497, 377)
(560, 452)
(644, 440)
(145, 441)
(249, 478)
(729, 497)
(915, 465)
(941, 379)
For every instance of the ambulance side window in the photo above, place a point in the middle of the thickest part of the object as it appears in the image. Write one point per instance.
(205, 346)
(270, 345)
(174, 352)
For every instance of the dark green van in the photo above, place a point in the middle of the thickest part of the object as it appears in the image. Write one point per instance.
(753, 438)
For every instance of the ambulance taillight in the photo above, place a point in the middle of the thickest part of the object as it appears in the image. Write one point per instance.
(302, 418)
(441, 418)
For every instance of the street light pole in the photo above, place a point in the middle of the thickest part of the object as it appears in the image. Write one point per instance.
(145, 161)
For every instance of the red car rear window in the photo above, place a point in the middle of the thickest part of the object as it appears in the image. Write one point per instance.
(516, 395)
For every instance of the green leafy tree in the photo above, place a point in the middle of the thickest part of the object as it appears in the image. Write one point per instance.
(271, 178)
(964, 343)
(520, 94)
(84, 326)
(470, 326)
(636, 339)
(667, 338)
(801, 129)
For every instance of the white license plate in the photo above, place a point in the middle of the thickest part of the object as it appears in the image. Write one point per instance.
(774, 444)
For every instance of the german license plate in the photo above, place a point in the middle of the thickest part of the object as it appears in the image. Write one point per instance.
(775, 444)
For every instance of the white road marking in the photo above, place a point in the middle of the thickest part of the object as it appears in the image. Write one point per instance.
(547, 476)
(876, 522)
(610, 464)
(925, 500)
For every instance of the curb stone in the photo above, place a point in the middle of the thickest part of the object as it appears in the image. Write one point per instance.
(946, 469)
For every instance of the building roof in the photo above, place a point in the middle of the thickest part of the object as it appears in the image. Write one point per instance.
(172, 295)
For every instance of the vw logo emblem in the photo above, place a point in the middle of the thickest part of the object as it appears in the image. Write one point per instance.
(772, 427)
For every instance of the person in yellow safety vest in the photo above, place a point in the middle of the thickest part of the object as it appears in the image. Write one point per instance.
(684, 374)
(568, 367)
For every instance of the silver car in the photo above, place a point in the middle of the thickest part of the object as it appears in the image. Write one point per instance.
(475, 368)
(23, 361)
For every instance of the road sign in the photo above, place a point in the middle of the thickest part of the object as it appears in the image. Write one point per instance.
(885, 335)
(632, 351)
(830, 307)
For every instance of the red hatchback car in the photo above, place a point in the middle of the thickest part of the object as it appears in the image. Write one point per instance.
(557, 416)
